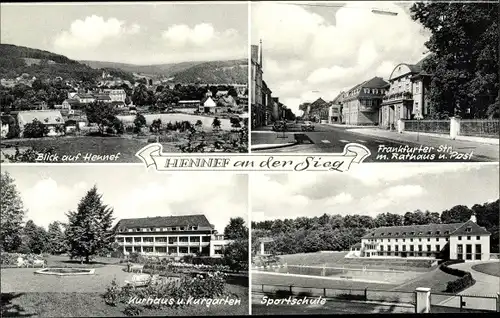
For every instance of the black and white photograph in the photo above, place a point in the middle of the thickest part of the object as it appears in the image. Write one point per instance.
(114, 241)
(411, 81)
(96, 82)
(398, 238)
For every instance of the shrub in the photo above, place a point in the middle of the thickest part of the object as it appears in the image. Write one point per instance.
(132, 310)
(35, 129)
(112, 294)
(460, 283)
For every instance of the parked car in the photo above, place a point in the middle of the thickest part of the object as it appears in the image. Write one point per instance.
(280, 126)
(307, 126)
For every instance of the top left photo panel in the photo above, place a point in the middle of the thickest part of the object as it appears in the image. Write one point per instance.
(96, 83)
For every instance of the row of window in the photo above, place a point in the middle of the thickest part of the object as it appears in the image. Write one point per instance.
(163, 229)
(411, 248)
(171, 240)
(468, 229)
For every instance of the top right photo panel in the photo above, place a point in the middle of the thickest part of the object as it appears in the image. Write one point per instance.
(409, 81)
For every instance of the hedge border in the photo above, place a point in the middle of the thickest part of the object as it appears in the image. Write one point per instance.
(464, 281)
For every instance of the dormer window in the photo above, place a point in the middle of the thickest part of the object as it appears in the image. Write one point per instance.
(439, 232)
(137, 229)
(404, 233)
(382, 234)
(468, 229)
(412, 233)
(447, 232)
(429, 233)
(419, 233)
(389, 234)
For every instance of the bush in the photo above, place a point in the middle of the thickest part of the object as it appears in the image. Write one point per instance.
(112, 294)
(35, 129)
(460, 284)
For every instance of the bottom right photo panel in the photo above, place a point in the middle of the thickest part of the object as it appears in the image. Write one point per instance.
(383, 238)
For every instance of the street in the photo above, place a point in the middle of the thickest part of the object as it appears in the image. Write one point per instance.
(332, 139)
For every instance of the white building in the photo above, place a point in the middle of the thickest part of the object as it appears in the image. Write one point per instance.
(116, 95)
(52, 119)
(467, 241)
(170, 236)
(207, 105)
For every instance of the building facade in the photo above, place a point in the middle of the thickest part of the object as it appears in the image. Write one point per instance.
(360, 105)
(465, 241)
(116, 95)
(407, 95)
(170, 236)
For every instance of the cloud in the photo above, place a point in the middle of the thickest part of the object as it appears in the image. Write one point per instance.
(337, 48)
(200, 35)
(92, 31)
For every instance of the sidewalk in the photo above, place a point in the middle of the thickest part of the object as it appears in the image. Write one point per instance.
(479, 149)
(261, 140)
(486, 285)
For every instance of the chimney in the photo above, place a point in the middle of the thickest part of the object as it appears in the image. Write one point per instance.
(473, 217)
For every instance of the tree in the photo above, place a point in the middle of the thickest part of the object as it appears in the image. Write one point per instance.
(101, 114)
(35, 129)
(139, 122)
(232, 92)
(89, 228)
(34, 238)
(155, 125)
(236, 229)
(198, 124)
(12, 214)
(216, 123)
(457, 214)
(140, 96)
(236, 255)
(235, 122)
(464, 60)
(56, 240)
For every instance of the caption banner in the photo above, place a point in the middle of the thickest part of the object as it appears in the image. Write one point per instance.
(152, 155)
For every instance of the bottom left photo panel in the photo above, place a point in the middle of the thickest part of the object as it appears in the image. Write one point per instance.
(101, 240)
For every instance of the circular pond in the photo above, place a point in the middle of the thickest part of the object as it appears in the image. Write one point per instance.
(66, 271)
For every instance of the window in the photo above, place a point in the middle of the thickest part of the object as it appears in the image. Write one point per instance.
(381, 248)
(397, 248)
(468, 251)
(403, 240)
(429, 233)
(396, 240)
(388, 240)
(420, 239)
(428, 239)
(437, 239)
(420, 248)
(468, 229)
(404, 248)
(428, 248)
(404, 233)
(447, 239)
(468, 238)
(388, 248)
(438, 232)
(459, 238)
(438, 248)
(477, 237)
(137, 229)
(478, 252)
(411, 240)
(447, 232)
(460, 252)
(412, 248)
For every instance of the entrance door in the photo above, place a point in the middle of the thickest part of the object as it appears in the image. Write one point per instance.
(468, 251)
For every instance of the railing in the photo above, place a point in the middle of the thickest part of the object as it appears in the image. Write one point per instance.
(441, 302)
(480, 128)
(336, 293)
(428, 126)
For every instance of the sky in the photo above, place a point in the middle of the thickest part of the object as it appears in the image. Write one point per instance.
(332, 48)
(370, 189)
(137, 33)
(49, 192)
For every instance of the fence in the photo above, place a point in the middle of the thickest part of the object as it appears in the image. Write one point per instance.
(454, 127)
(422, 299)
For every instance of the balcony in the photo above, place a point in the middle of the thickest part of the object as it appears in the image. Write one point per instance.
(397, 97)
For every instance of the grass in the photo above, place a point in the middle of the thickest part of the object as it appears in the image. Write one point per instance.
(72, 146)
(74, 304)
(436, 280)
(312, 258)
(488, 268)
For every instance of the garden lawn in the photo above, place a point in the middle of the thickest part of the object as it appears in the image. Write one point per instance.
(488, 268)
(127, 147)
(435, 279)
(75, 304)
(312, 258)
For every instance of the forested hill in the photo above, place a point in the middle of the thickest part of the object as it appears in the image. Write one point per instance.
(17, 60)
(212, 72)
(336, 232)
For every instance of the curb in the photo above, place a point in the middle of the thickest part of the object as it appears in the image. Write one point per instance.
(272, 146)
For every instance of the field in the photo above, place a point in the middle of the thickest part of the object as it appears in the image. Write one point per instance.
(27, 294)
(488, 268)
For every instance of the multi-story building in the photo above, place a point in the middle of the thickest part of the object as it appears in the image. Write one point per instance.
(317, 110)
(360, 105)
(116, 95)
(407, 96)
(467, 241)
(256, 100)
(335, 109)
(170, 236)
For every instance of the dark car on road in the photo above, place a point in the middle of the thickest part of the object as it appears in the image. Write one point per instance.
(307, 126)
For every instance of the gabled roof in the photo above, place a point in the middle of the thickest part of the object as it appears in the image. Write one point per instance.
(84, 95)
(48, 117)
(427, 230)
(165, 221)
(472, 227)
(102, 97)
(71, 101)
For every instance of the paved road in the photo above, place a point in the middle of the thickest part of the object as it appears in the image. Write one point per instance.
(332, 139)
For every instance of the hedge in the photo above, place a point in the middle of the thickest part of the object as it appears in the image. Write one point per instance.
(464, 281)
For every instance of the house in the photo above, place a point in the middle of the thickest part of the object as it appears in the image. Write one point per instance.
(170, 236)
(221, 93)
(116, 95)
(70, 104)
(104, 98)
(317, 110)
(335, 109)
(360, 104)
(207, 105)
(40, 105)
(464, 241)
(189, 104)
(407, 96)
(84, 98)
(52, 119)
